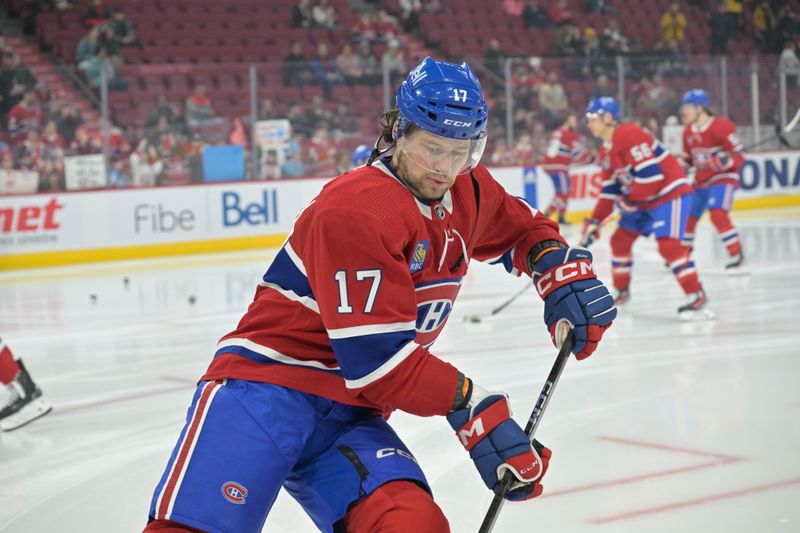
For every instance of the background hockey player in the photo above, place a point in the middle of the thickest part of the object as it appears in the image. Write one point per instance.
(360, 155)
(711, 146)
(564, 149)
(649, 188)
(339, 331)
(24, 403)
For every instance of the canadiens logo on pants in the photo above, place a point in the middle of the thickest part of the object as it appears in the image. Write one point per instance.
(234, 492)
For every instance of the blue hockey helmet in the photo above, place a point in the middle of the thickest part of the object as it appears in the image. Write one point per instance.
(602, 105)
(696, 97)
(444, 99)
(360, 155)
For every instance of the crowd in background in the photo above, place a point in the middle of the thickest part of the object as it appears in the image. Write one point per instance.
(43, 128)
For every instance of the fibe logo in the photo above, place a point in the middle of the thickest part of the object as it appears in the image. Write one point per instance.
(256, 213)
(30, 218)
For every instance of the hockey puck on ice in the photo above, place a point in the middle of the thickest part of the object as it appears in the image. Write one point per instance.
(192, 300)
(93, 298)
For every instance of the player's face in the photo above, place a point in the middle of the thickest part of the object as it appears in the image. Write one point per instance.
(429, 164)
(688, 113)
(595, 124)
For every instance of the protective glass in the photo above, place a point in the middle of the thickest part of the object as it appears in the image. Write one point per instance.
(442, 155)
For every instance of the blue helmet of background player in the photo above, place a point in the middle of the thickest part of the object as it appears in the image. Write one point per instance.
(360, 155)
(603, 105)
(446, 100)
(696, 97)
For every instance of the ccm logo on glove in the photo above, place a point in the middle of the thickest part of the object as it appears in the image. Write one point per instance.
(561, 275)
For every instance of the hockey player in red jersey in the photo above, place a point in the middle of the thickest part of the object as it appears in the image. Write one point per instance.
(24, 403)
(340, 329)
(648, 186)
(564, 149)
(711, 146)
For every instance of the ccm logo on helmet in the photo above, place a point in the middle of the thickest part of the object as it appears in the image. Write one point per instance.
(563, 273)
(234, 492)
(457, 123)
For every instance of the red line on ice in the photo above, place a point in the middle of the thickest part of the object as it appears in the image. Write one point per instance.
(697, 501)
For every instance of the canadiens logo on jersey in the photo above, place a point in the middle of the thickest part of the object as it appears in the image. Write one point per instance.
(234, 492)
(420, 252)
(434, 304)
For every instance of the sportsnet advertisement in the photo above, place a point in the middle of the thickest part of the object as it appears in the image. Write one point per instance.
(74, 227)
(767, 174)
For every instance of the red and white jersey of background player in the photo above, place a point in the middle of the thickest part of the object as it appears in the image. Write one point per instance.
(716, 136)
(564, 148)
(365, 283)
(637, 167)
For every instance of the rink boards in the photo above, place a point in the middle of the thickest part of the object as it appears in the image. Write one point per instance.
(87, 226)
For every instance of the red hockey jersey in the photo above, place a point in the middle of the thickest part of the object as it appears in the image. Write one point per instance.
(22, 119)
(638, 168)
(363, 286)
(716, 138)
(564, 148)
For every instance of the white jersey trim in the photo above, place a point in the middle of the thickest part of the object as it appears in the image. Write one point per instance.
(392, 363)
(295, 258)
(272, 354)
(310, 303)
(370, 329)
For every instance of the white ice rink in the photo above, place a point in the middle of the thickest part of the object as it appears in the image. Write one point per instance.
(670, 426)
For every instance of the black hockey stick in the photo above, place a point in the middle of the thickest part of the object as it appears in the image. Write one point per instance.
(778, 134)
(530, 429)
(481, 316)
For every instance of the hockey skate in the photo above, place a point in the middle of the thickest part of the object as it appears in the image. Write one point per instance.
(696, 307)
(25, 403)
(622, 297)
(736, 266)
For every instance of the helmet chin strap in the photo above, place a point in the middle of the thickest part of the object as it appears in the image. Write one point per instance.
(377, 151)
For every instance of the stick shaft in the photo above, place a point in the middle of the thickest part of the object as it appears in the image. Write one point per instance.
(530, 429)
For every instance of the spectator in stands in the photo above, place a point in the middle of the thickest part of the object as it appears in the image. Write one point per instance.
(266, 110)
(673, 24)
(99, 65)
(568, 40)
(51, 176)
(765, 20)
(96, 15)
(163, 108)
(789, 63)
(122, 30)
(343, 119)
(673, 61)
(348, 64)
(198, 107)
(25, 116)
(513, 7)
(601, 6)
(560, 13)
(494, 59)
(15, 79)
(50, 138)
(524, 151)
(602, 87)
(552, 98)
(534, 15)
(393, 61)
(68, 119)
(85, 142)
(88, 45)
(370, 69)
(501, 155)
(302, 16)
(614, 42)
(659, 96)
(733, 8)
(293, 166)
(295, 66)
(324, 69)
(594, 62)
(409, 14)
(324, 15)
(388, 27)
(366, 29)
(719, 23)
(788, 26)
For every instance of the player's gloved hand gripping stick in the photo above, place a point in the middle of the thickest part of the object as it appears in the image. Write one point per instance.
(530, 429)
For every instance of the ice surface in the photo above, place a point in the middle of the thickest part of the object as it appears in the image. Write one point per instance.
(670, 426)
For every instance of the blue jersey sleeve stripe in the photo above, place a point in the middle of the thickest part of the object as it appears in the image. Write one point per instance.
(285, 273)
(507, 260)
(648, 171)
(361, 356)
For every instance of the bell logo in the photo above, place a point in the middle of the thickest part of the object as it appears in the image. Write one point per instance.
(30, 218)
